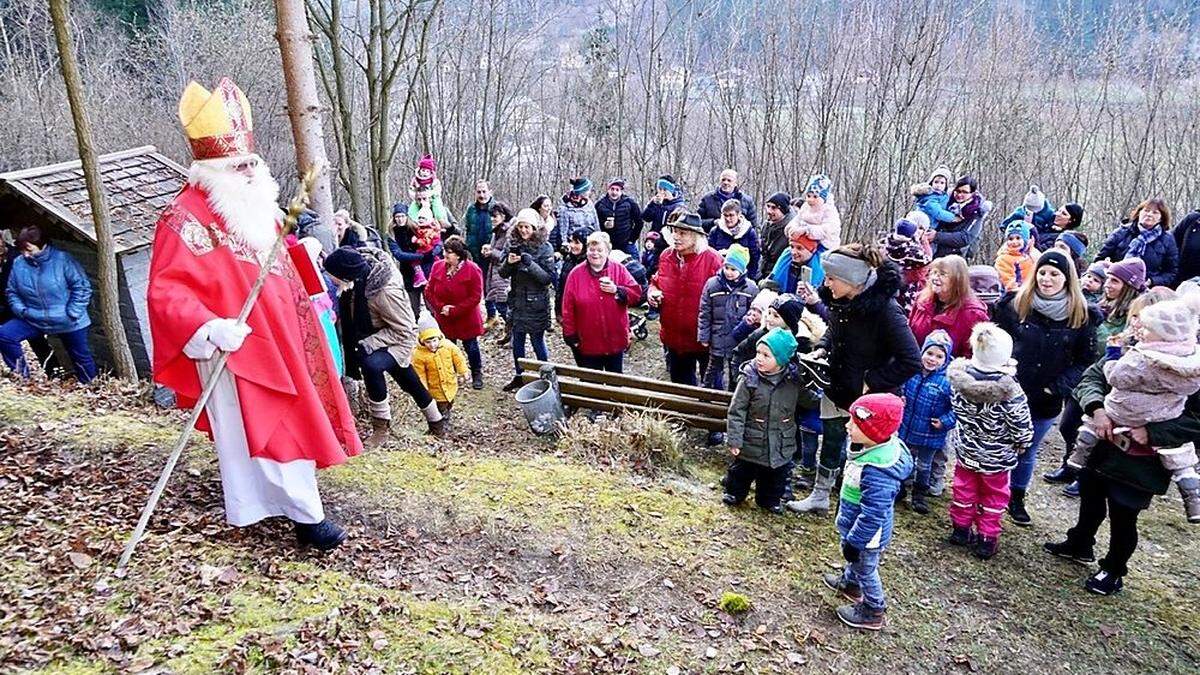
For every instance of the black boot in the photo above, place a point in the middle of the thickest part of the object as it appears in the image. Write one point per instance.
(1016, 508)
(323, 536)
(477, 379)
(961, 536)
(513, 384)
(918, 500)
(1063, 474)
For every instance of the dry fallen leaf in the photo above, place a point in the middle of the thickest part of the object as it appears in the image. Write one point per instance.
(81, 561)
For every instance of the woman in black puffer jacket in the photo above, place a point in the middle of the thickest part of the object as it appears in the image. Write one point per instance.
(1054, 333)
(868, 345)
(529, 263)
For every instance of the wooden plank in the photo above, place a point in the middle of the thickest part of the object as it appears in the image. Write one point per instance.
(638, 397)
(609, 406)
(601, 377)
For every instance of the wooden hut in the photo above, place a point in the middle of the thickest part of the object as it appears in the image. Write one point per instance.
(140, 183)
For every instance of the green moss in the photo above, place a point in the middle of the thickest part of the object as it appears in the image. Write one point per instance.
(734, 603)
(69, 417)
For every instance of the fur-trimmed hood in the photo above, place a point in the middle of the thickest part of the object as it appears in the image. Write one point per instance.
(978, 386)
(743, 227)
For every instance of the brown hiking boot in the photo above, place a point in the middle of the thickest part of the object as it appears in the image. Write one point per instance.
(439, 428)
(379, 433)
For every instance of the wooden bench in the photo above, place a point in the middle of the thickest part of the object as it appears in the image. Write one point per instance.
(696, 407)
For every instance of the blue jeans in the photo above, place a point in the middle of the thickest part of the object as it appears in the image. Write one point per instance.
(809, 440)
(923, 456)
(1026, 463)
(494, 309)
(714, 374)
(538, 340)
(16, 331)
(865, 573)
(474, 358)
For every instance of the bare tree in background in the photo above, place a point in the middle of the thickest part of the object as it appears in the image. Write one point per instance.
(304, 110)
(110, 309)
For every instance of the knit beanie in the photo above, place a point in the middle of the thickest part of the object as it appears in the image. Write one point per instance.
(797, 237)
(1076, 213)
(1172, 320)
(580, 185)
(1073, 242)
(945, 172)
(427, 163)
(580, 234)
(764, 299)
(738, 257)
(1098, 269)
(1034, 200)
(1056, 259)
(667, 182)
(906, 228)
(782, 345)
(346, 264)
(877, 416)
(819, 185)
(1130, 271)
(991, 349)
(427, 327)
(789, 308)
(781, 200)
(399, 207)
(938, 338)
(1021, 228)
(528, 216)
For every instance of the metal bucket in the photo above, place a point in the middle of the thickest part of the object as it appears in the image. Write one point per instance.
(541, 405)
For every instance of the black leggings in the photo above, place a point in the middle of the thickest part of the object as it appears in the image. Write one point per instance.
(1094, 504)
(377, 365)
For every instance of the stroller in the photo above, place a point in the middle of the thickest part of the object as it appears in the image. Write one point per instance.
(637, 320)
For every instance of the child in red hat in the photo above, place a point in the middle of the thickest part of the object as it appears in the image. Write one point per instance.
(878, 464)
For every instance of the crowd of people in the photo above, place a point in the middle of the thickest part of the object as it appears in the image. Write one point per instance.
(865, 367)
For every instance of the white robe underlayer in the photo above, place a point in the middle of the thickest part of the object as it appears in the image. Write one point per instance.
(254, 487)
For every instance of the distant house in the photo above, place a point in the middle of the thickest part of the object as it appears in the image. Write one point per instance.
(140, 183)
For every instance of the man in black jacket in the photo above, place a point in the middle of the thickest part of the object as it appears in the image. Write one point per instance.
(620, 217)
(1187, 238)
(773, 238)
(727, 188)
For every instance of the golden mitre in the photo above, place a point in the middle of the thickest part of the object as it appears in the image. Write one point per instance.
(218, 122)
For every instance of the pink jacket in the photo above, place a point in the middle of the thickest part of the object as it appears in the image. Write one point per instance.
(958, 321)
(823, 224)
(1151, 382)
(600, 320)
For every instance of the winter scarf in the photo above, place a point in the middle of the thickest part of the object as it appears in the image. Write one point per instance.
(1137, 247)
(1055, 307)
(575, 200)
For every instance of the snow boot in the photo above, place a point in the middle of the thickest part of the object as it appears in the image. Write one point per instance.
(961, 536)
(381, 422)
(477, 378)
(729, 500)
(918, 500)
(437, 423)
(513, 384)
(1016, 508)
(986, 547)
(1189, 489)
(837, 582)
(818, 501)
(323, 536)
(858, 616)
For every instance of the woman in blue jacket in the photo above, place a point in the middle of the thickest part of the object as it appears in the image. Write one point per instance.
(1146, 235)
(48, 294)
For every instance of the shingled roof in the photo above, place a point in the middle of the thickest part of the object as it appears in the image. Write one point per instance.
(139, 182)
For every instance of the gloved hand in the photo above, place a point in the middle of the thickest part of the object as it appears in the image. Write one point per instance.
(572, 341)
(227, 334)
(850, 553)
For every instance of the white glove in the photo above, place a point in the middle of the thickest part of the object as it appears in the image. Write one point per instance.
(227, 334)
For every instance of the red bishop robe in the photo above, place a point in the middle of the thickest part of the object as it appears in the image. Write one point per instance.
(293, 406)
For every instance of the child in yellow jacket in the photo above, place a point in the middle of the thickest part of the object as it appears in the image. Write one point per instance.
(441, 366)
(1017, 257)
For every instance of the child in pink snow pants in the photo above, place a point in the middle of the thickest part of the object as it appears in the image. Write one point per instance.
(993, 428)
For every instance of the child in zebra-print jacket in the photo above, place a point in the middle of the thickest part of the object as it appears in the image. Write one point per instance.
(993, 428)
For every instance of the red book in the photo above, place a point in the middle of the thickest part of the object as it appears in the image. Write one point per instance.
(310, 276)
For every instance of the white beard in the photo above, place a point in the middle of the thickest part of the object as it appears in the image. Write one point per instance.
(249, 207)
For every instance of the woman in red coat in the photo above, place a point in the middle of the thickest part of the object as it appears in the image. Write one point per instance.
(453, 294)
(595, 305)
(675, 291)
(947, 302)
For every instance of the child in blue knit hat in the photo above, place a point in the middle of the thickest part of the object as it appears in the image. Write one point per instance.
(723, 304)
(928, 416)
(1017, 257)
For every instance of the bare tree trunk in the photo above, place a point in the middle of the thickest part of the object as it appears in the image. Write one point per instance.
(110, 310)
(304, 109)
